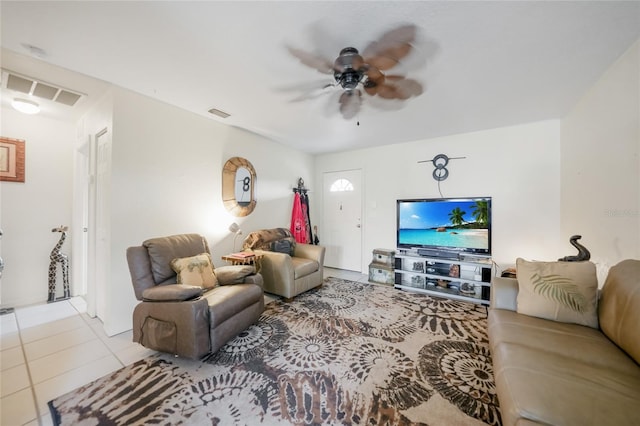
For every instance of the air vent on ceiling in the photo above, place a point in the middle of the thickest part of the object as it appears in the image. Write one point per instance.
(219, 113)
(33, 87)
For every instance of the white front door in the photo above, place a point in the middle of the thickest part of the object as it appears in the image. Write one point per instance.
(342, 233)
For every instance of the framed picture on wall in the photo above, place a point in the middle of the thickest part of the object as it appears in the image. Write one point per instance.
(11, 160)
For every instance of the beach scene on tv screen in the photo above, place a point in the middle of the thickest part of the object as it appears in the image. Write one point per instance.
(450, 223)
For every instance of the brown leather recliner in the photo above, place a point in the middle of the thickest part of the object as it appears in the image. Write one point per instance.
(187, 320)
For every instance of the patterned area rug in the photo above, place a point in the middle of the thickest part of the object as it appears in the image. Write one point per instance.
(346, 353)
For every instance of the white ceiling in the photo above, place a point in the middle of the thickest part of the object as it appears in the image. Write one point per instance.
(483, 64)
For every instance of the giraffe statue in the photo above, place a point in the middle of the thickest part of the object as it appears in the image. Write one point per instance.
(57, 256)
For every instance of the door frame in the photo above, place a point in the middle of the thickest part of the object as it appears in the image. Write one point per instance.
(361, 209)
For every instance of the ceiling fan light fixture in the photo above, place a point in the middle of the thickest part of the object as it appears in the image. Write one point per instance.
(349, 59)
(349, 80)
(25, 106)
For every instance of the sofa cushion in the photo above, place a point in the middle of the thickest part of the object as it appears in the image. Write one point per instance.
(548, 372)
(558, 291)
(171, 293)
(195, 270)
(303, 267)
(163, 250)
(619, 309)
(227, 301)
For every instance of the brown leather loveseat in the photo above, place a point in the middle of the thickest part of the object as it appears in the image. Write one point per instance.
(557, 373)
(191, 319)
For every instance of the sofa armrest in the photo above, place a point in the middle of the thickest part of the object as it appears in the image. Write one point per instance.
(277, 271)
(504, 293)
(171, 293)
(233, 274)
(254, 279)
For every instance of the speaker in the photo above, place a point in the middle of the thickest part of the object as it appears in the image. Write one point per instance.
(443, 254)
(486, 292)
(486, 275)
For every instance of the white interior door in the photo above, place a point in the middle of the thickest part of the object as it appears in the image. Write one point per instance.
(81, 219)
(98, 226)
(342, 207)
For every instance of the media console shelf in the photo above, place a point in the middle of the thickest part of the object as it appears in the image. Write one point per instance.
(467, 278)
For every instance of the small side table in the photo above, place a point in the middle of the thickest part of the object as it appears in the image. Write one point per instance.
(254, 259)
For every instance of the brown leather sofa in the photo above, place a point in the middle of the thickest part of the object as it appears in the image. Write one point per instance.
(289, 273)
(554, 373)
(187, 320)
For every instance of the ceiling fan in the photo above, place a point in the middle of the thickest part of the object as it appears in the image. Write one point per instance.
(355, 73)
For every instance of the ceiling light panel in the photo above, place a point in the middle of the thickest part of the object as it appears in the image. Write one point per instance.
(45, 91)
(39, 89)
(18, 84)
(67, 98)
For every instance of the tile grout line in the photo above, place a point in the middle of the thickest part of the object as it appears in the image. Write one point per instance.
(26, 363)
(96, 334)
(39, 414)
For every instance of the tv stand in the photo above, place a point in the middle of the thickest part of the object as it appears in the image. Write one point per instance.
(462, 277)
(441, 254)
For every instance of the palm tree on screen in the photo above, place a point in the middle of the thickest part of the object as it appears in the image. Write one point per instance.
(481, 211)
(457, 216)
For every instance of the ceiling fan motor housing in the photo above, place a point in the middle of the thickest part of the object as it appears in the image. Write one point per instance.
(348, 68)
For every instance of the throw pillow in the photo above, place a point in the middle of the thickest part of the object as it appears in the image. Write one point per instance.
(558, 291)
(195, 270)
(282, 246)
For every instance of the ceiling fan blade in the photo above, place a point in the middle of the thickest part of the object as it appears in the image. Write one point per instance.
(391, 48)
(312, 94)
(389, 56)
(407, 87)
(306, 90)
(319, 63)
(398, 87)
(350, 101)
(388, 91)
(375, 78)
(374, 75)
(402, 34)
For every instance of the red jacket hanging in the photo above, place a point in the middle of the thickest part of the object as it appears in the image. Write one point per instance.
(298, 221)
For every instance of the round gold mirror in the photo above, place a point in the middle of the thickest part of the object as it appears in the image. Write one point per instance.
(238, 186)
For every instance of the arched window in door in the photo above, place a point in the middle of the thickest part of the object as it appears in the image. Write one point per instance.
(341, 185)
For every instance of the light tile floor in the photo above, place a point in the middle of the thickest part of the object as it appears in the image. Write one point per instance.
(48, 350)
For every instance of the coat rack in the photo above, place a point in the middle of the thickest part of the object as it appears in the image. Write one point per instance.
(300, 188)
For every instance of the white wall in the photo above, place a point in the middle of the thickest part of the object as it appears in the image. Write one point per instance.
(548, 180)
(28, 211)
(600, 181)
(518, 166)
(167, 179)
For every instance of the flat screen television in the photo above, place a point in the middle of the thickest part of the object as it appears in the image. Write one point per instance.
(448, 225)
